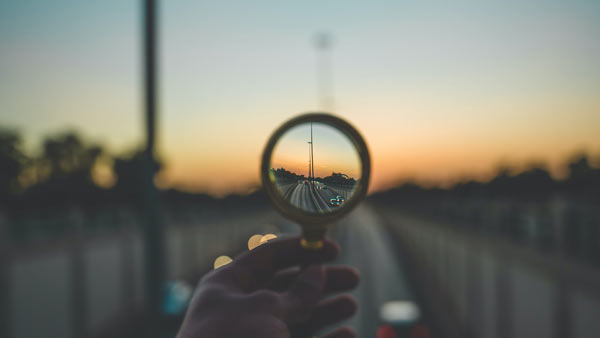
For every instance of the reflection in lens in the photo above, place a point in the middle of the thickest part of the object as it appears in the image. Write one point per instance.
(315, 167)
(386, 331)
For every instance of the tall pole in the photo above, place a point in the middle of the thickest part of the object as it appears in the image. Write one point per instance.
(324, 72)
(312, 158)
(153, 230)
(309, 163)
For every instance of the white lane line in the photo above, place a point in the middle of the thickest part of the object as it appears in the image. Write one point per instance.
(314, 201)
(295, 198)
(307, 202)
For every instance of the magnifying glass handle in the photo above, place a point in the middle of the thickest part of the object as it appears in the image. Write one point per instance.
(311, 245)
(312, 237)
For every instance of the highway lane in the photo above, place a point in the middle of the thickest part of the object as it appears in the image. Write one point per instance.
(314, 199)
(301, 198)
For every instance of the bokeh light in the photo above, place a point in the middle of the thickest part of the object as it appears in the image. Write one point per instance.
(386, 331)
(177, 295)
(254, 241)
(420, 331)
(222, 260)
(267, 238)
(399, 311)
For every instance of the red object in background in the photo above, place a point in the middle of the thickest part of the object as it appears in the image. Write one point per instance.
(386, 331)
(419, 331)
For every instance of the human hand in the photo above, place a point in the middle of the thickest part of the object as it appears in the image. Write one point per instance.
(265, 294)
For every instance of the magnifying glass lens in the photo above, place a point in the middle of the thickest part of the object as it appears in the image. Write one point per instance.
(315, 168)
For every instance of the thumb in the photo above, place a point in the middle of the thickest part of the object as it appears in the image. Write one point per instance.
(304, 293)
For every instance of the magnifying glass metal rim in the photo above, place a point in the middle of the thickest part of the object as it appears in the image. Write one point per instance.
(305, 218)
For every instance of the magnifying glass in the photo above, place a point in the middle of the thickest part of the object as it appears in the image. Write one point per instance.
(315, 169)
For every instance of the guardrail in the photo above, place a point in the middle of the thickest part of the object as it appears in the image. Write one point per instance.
(485, 286)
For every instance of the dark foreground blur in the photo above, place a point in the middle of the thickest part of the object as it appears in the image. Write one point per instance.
(518, 256)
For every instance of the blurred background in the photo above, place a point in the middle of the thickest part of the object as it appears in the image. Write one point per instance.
(131, 131)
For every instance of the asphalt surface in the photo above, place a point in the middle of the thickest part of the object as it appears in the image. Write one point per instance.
(312, 198)
(366, 246)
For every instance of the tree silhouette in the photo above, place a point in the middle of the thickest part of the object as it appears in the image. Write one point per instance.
(339, 179)
(129, 170)
(11, 163)
(64, 171)
(67, 156)
(583, 179)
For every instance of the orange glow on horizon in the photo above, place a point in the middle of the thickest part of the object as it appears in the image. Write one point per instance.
(438, 95)
(432, 161)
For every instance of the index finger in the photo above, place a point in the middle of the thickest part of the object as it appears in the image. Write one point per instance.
(253, 268)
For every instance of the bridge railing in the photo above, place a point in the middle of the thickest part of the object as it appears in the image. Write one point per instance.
(487, 286)
(82, 285)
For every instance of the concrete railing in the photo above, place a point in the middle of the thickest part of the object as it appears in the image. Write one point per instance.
(81, 285)
(485, 286)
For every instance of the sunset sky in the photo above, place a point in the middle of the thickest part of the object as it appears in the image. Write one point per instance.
(332, 151)
(440, 90)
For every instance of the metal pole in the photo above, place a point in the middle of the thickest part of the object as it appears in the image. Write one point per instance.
(153, 230)
(309, 163)
(5, 310)
(312, 159)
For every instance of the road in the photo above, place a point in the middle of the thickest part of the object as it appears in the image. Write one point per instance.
(366, 246)
(310, 197)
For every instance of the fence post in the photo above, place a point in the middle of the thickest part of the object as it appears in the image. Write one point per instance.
(474, 293)
(127, 268)
(78, 294)
(562, 312)
(4, 279)
(503, 301)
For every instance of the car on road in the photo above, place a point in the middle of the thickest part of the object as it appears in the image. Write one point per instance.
(340, 198)
(334, 202)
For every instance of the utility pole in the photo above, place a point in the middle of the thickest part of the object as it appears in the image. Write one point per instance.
(312, 158)
(154, 248)
(309, 161)
(324, 72)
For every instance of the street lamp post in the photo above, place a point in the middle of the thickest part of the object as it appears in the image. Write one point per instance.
(153, 229)
(309, 161)
(312, 159)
